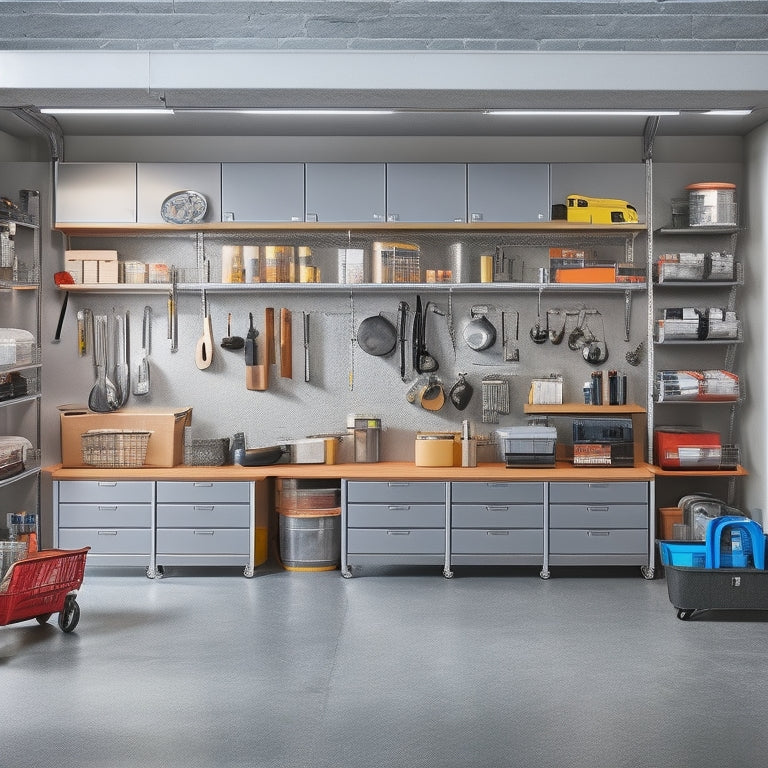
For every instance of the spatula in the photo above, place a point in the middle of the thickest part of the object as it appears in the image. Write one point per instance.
(141, 381)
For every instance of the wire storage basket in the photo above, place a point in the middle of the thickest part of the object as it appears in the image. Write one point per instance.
(115, 447)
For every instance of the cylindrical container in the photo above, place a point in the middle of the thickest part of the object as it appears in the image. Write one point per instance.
(310, 542)
(463, 268)
(486, 268)
(251, 263)
(434, 449)
(712, 203)
(232, 264)
(367, 436)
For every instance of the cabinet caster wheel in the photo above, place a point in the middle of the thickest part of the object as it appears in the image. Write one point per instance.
(647, 571)
(684, 614)
(248, 571)
(448, 574)
(544, 575)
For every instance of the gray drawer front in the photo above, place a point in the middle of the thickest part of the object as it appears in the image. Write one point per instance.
(202, 541)
(597, 541)
(403, 515)
(97, 491)
(598, 493)
(393, 541)
(202, 515)
(170, 492)
(107, 541)
(497, 516)
(598, 515)
(105, 515)
(502, 492)
(498, 541)
(387, 493)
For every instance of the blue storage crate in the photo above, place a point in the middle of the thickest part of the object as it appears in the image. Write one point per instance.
(689, 554)
(744, 539)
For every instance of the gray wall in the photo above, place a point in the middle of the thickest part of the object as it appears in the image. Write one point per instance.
(547, 26)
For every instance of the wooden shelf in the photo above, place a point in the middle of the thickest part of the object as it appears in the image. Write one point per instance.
(738, 472)
(582, 408)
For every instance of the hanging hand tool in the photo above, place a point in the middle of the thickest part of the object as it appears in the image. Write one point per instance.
(204, 348)
(269, 334)
(230, 341)
(173, 312)
(256, 375)
(416, 335)
(306, 346)
(402, 321)
(141, 381)
(286, 344)
(62, 278)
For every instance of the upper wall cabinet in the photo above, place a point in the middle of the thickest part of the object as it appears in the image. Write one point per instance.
(508, 192)
(96, 192)
(157, 181)
(262, 192)
(345, 192)
(427, 192)
(620, 181)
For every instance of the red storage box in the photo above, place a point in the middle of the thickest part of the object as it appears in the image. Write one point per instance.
(686, 448)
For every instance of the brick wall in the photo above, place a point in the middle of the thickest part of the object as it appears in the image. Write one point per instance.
(636, 25)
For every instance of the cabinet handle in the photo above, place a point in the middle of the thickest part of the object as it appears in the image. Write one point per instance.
(202, 485)
(597, 485)
(598, 533)
(398, 533)
(203, 533)
(400, 507)
(397, 485)
(105, 508)
(497, 533)
(203, 508)
(498, 508)
(107, 484)
(497, 485)
(107, 533)
(598, 509)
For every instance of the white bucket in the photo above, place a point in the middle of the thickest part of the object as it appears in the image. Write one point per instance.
(712, 204)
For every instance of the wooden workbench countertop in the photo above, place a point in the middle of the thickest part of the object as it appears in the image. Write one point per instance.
(382, 471)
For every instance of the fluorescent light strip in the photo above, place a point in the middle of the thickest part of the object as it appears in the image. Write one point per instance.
(581, 112)
(291, 111)
(104, 111)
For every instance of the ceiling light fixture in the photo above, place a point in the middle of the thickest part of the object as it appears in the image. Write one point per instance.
(309, 111)
(725, 112)
(104, 111)
(581, 112)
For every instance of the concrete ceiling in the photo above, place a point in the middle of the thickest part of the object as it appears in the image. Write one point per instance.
(435, 93)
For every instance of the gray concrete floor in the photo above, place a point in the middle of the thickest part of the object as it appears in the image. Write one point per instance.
(490, 669)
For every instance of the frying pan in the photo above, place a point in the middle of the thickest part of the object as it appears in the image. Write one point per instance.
(461, 393)
(377, 336)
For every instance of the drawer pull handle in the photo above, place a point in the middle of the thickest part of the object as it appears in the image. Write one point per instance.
(498, 508)
(107, 484)
(497, 485)
(497, 533)
(203, 533)
(399, 507)
(398, 533)
(203, 508)
(597, 485)
(598, 509)
(397, 485)
(105, 508)
(107, 533)
(598, 533)
(202, 485)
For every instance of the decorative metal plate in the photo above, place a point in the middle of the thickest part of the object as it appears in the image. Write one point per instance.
(186, 207)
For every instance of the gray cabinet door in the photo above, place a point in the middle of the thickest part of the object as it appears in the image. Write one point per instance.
(508, 192)
(262, 192)
(427, 192)
(156, 181)
(345, 192)
(96, 192)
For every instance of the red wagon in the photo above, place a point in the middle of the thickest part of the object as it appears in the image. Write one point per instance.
(43, 584)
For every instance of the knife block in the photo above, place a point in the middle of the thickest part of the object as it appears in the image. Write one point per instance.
(256, 377)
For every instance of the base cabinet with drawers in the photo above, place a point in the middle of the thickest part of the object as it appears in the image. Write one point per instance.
(392, 523)
(497, 523)
(152, 524)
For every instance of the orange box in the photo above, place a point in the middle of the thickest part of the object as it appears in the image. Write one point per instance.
(668, 516)
(586, 275)
(166, 443)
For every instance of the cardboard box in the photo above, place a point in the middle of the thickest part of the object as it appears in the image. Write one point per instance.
(107, 271)
(166, 444)
(90, 255)
(586, 275)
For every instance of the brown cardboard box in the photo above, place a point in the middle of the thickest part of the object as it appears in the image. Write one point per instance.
(668, 516)
(166, 444)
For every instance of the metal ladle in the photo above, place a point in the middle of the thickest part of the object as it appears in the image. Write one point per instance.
(538, 334)
(556, 336)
